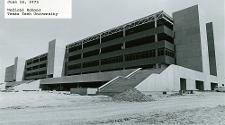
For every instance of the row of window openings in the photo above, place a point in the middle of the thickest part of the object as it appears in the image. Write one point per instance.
(111, 49)
(36, 73)
(35, 78)
(129, 57)
(114, 69)
(145, 54)
(37, 60)
(37, 67)
(115, 36)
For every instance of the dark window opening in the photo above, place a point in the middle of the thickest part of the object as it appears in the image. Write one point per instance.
(149, 66)
(89, 72)
(71, 74)
(141, 41)
(28, 69)
(43, 58)
(91, 43)
(43, 65)
(75, 57)
(90, 64)
(111, 60)
(112, 37)
(167, 52)
(42, 72)
(140, 55)
(163, 36)
(113, 69)
(36, 60)
(161, 52)
(91, 53)
(74, 66)
(165, 22)
(29, 62)
(35, 67)
(140, 28)
(112, 48)
(75, 48)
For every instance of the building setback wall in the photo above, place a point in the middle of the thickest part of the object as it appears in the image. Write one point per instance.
(59, 58)
(9, 73)
(20, 65)
(188, 38)
(51, 58)
(211, 48)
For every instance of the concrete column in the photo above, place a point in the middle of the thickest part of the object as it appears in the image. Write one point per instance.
(124, 47)
(156, 36)
(51, 58)
(82, 56)
(100, 50)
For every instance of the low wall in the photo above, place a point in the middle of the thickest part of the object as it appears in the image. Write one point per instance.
(83, 91)
(80, 91)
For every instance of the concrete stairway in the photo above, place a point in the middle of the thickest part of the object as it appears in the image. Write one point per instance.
(121, 84)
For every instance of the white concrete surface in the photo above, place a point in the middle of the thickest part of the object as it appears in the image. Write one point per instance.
(169, 80)
(31, 86)
(20, 65)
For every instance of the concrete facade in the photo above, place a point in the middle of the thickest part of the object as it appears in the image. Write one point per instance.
(211, 48)
(15, 72)
(9, 74)
(51, 58)
(188, 38)
(152, 43)
(39, 67)
(169, 80)
(145, 43)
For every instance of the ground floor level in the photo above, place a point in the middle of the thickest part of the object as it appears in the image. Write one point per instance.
(172, 78)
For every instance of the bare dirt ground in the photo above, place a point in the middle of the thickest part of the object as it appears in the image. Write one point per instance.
(45, 108)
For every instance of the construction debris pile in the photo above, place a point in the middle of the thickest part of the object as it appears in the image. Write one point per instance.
(132, 95)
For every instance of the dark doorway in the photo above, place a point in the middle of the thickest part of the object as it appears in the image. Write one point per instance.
(214, 85)
(183, 84)
(199, 85)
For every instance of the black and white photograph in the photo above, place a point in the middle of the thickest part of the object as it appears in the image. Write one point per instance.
(112, 62)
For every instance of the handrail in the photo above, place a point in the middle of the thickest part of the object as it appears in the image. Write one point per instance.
(131, 74)
(114, 79)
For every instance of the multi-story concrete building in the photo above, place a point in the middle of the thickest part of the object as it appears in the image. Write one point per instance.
(154, 53)
(143, 43)
(39, 67)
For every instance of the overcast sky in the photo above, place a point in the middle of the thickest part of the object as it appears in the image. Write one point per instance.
(28, 38)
